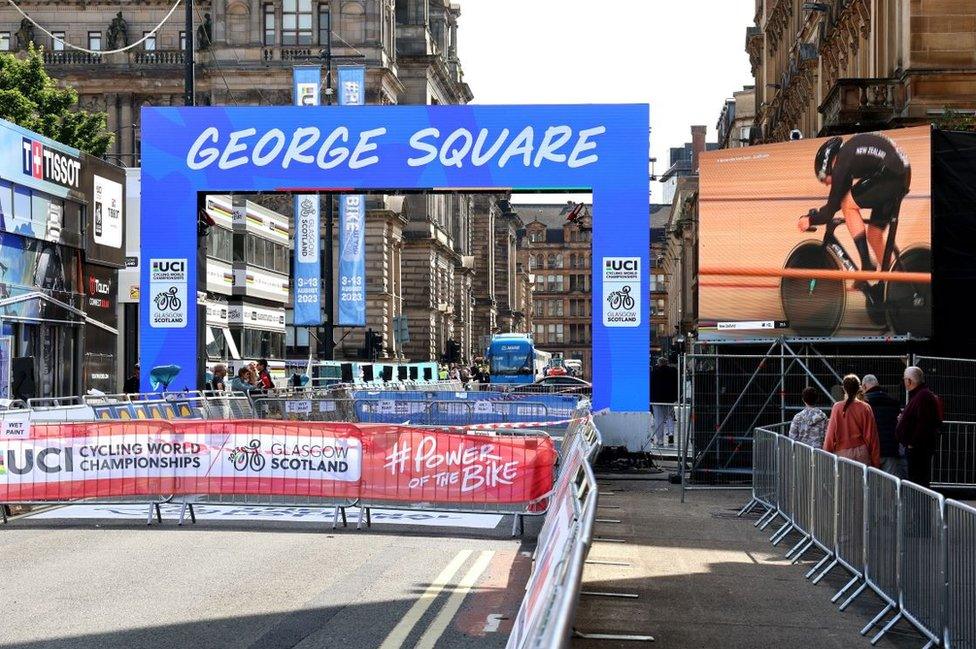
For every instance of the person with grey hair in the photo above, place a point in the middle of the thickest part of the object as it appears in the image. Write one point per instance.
(918, 426)
(886, 410)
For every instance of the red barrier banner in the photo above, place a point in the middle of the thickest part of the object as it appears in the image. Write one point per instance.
(152, 458)
(403, 464)
(329, 461)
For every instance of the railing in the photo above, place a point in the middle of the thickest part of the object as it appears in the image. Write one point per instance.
(862, 100)
(290, 53)
(132, 57)
(913, 548)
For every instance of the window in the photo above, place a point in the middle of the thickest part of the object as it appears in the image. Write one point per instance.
(537, 309)
(266, 254)
(57, 43)
(325, 24)
(95, 41)
(537, 236)
(555, 333)
(657, 283)
(296, 22)
(150, 42)
(4, 41)
(540, 334)
(269, 24)
(744, 133)
(256, 343)
(555, 308)
(220, 244)
(554, 283)
(533, 262)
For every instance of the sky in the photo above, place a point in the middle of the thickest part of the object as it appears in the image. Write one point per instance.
(683, 58)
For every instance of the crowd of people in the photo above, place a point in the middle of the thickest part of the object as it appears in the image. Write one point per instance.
(872, 427)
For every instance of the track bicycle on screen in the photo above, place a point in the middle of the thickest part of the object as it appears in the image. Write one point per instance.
(814, 305)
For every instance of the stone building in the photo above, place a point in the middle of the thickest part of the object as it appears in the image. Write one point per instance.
(660, 334)
(735, 123)
(420, 259)
(559, 256)
(842, 66)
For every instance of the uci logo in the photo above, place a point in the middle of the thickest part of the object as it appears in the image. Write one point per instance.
(621, 264)
(48, 460)
(169, 266)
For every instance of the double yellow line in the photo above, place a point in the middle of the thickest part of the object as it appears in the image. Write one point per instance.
(402, 630)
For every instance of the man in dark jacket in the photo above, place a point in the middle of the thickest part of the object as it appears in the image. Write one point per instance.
(918, 426)
(886, 410)
(664, 396)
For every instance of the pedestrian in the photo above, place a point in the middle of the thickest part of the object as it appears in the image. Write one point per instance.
(131, 385)
(442, 372)
(264, 377)
(851, 431)
(809, 426)
(242, 382)
(664, 398)
(216, 384)
(454, 374)
(886, 409)
(252, 374)
(918, 426)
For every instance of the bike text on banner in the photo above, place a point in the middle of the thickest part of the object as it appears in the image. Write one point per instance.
(352, 220)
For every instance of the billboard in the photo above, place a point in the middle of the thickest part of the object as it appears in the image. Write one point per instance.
(821, 238)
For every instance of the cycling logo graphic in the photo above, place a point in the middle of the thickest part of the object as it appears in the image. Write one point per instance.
(168, 300)
(621, 299)
(870, 273)
(248, 456)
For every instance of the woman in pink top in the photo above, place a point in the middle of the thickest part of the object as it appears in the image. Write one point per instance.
(852, 431)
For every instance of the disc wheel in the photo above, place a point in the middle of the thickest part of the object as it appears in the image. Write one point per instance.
(813, 307)
(909, 304)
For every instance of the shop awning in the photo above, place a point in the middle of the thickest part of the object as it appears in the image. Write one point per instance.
(83, 318)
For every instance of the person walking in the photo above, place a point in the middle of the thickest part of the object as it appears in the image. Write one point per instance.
(852, 431)
(886, 409)
(918, 426)
(664, 397)
(809, 426)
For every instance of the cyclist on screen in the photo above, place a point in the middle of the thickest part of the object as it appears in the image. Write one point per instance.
(868, 171)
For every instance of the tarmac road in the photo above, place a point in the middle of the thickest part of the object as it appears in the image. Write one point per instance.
(114, 582)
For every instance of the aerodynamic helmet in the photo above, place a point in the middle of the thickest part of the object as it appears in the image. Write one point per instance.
(823, 163)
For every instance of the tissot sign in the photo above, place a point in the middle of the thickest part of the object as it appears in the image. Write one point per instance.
(603, 148)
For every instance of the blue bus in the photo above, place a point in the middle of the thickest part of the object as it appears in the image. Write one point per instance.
(513, 358)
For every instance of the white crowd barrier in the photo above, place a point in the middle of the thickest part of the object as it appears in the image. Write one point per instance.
(910, 546)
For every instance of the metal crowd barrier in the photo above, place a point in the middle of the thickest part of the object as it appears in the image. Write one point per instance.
(954, 462)
(909, 545)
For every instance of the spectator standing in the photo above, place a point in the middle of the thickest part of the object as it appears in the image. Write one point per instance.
(918, 426)
(886, 409)
(664, 396)
(809, 426)
(851, 431)
(131, 385)
(264, 377)
(219, 376)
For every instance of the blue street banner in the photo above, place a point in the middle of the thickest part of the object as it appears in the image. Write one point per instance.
(352, 261)
(352, 85)
(306, 282)
(352, 219)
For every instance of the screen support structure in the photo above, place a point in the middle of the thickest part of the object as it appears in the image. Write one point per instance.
(188, 152)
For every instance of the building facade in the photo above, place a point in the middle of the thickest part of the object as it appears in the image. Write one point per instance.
(660, 334)
(559, 256)
(843, 66)
(424, 293)
(735, 123)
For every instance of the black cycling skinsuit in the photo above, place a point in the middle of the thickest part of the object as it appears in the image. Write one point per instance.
(882, 173)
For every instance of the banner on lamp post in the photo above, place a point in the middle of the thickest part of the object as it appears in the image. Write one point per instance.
(352, 219)
(306, 282)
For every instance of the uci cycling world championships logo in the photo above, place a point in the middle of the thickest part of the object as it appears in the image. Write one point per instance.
(621, 291)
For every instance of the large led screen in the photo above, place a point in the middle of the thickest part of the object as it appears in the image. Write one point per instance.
(824, 238)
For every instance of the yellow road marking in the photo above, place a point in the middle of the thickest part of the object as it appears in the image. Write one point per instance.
(443, 619)
(403, 628)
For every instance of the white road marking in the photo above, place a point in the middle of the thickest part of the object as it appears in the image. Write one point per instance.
(446, 614)
(402, 630)
(492, 623)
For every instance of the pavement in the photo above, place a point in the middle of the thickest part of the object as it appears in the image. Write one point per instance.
(704, 578)
(111, 581)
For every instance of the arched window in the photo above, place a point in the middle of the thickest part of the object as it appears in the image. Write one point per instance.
(353, 24)
(559, 261)
(551, 260)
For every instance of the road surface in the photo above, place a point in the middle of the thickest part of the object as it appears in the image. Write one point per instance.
(246, 582)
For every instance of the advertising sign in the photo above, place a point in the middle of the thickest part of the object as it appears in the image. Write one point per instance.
(325, 460)
(168, 292)
(107, 212)
(6, 353)
(621, 291)
(601, 148)
(307, 267)
(38, 162)
(352, 261)
(352, 84)
(103, 184)
(821, 238)
(101, 293)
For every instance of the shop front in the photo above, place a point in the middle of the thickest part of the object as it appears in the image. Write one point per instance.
(53, 231)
